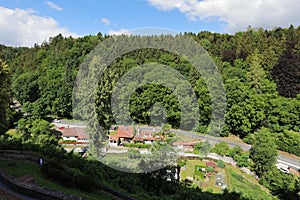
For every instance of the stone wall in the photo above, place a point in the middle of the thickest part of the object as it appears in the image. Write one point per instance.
(19, 155)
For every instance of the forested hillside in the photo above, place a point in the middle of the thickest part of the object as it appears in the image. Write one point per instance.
(260, 70)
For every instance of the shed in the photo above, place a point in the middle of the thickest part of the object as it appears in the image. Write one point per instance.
(220, 180)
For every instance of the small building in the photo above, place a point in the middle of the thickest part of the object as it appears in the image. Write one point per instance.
(75, 134)
(220, 180)
(185, 146)
(124, 135)
(144, 136)
(211, 164)
(131, 134)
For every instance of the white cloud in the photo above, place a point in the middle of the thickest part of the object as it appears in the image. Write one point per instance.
(20, 27)
(119, 32)
(237, 14)
(54, 6)
(105, 21)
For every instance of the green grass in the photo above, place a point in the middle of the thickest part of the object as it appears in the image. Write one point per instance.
(208, 185)
(188, 170)
(236, 181)
(20, 168)
(246, 185)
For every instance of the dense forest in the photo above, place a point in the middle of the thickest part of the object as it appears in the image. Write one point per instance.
(260, 71)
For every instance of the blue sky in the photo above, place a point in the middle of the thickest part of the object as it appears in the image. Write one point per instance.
(25, 22)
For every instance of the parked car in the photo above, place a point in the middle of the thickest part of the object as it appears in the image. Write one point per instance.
(56, 121)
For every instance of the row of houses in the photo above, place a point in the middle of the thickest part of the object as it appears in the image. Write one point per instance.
(124, 134)
(132, 134)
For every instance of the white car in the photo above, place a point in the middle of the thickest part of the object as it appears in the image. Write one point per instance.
(284, 170)
(56, 121)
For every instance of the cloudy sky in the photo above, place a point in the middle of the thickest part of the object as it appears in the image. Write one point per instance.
(25, 22)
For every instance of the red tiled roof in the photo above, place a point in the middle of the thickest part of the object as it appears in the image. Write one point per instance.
(142, 135)
(123, 132)
(211, 164)
(75, 132)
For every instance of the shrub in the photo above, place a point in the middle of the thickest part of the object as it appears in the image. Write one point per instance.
(137, 145)
(236, 150)
(221, 164)
(69, 177)
(182, 162)
(221, 148)
(210, 169)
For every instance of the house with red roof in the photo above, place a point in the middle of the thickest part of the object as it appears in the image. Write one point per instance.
(75, 134)
(184, 145)
(124, 134)
(131, 134)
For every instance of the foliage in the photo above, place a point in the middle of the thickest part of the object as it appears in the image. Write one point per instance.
(263, 152)
(284, 114)
(242, 159)
(210, 169)
(37, 131)
(281, 184)
(182, 162)
(69, 177)
(142, 186)
(198, 172)
(202, 147)
(221, 148)
(236, 150)
(137, 145)
(254, 64)
(4, 95)
(289, 141)
(220, 164)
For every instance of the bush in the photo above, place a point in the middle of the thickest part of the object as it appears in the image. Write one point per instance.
(202, 148)
(69, 177)
(249, 139)
(288, 141)
(221, 148)
(236, 150)
(182, 162)
(221, 164)
(198, 172)
(137, 145)
(242, 160)
(210, 169)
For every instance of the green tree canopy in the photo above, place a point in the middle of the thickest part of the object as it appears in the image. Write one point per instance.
(4, 95)
(263, 152)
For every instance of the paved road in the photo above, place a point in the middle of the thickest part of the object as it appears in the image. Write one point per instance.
(291, 162)
(69, 124)
(16, 194)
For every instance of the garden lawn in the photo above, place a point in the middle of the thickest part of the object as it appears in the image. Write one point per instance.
(188, 169)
